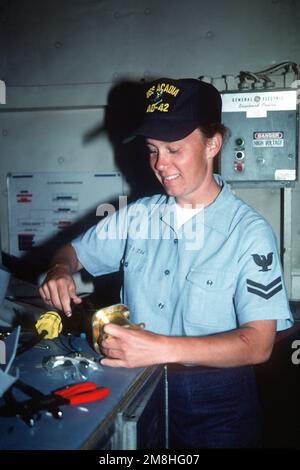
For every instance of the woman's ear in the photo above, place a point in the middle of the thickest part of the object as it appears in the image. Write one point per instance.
(214, 145)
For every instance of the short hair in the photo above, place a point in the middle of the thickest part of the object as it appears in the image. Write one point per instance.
(209, 130)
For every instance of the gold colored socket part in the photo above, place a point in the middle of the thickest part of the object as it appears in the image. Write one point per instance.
(117, 314)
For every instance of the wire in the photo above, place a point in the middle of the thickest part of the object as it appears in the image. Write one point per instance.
(282, 65)
(67, 348)
(34, 340)
(72, 345)
(61, 346)
(262, 75)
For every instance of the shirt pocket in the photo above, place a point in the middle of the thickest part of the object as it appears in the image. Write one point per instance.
(210, 298)
(134, 262)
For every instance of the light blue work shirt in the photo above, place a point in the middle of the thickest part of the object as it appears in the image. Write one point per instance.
(220, 270)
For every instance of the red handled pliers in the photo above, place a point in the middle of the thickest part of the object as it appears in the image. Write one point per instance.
(29, 410)
(77, 394)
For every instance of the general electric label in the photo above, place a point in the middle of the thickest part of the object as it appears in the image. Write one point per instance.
(260, 101)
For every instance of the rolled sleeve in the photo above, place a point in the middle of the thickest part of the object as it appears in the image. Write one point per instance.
(100, 249)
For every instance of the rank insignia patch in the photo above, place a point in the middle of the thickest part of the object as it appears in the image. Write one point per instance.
(263, 261)
(266, 291)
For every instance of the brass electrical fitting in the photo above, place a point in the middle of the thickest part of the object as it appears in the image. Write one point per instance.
(117, 314)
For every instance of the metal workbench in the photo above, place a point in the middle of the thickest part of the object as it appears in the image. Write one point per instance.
(132, 416)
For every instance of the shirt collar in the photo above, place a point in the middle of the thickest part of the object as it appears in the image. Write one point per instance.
(218, 215)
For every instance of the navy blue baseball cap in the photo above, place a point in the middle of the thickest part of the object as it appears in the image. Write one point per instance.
(174, 108)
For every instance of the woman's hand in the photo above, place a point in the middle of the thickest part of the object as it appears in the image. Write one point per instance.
(126, 347)
(59, 289)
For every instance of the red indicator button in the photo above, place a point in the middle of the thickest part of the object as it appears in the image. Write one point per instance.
(239, 167)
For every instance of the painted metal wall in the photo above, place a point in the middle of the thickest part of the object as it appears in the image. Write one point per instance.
(86, 41)
(60, 59)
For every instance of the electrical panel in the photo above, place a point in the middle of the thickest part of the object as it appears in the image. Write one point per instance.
(262, 144)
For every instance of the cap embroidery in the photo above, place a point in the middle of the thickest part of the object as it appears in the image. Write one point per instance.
(155, 95)
(163, 107)
(159, 88)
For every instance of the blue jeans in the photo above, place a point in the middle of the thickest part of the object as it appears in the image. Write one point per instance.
(213, 408)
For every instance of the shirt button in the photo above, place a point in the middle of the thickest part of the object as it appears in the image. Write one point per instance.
(175, 240)
(167, 272)
(161, 305)
(209, 282)
(126, 264)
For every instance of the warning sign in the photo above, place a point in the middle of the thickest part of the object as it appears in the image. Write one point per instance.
(268, 139)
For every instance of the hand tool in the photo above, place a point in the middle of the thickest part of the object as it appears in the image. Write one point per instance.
(29, 410)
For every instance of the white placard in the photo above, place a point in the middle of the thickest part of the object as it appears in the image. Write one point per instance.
(258, 104)
(43, 204)
(285, 175)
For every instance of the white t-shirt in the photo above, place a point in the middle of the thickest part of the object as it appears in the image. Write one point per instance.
(183, 214)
